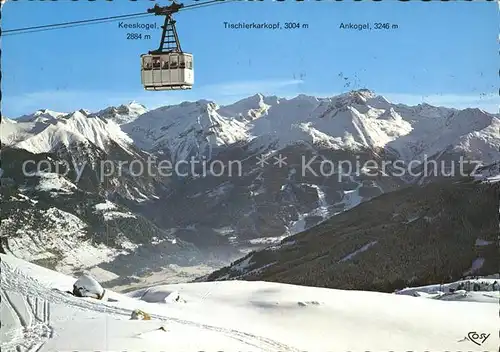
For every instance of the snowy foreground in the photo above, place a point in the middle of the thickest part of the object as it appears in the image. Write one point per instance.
(37, 314)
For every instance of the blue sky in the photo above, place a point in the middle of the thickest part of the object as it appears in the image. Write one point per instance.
(443, 53)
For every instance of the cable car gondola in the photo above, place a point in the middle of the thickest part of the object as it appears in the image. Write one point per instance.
(168, 67)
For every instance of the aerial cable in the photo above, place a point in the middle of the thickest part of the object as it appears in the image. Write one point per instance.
(59, 26)
(69, 23)
(100, 20)
(97, 20)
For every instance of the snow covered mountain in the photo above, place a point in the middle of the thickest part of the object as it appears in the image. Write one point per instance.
(255, 203)
(37, 313)
(359, 119)
(46, 131)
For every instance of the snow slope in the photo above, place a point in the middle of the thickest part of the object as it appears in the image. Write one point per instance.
(231, 316)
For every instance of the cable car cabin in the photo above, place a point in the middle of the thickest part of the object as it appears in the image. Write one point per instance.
(167, 71)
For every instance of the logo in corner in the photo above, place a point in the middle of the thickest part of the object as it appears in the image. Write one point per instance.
(477, 338)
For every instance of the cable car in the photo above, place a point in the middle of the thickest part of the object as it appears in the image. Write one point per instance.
(168, 67)
(168, 71)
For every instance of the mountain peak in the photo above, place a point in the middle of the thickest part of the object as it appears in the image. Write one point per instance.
(249, 108)
(204, 102)
(303, 96)
(363, 99)
(41, 115)
(47, 112)
(134, 103)
(366, 93)
(475, 111)
(259, 96)
(84, 112)
(41, 112)
(124, 113)
(361, 96)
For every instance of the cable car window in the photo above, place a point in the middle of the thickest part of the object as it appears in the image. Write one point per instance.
(146, 63)
(173, 64)
(189, 65)
(165, 65)
(156, 63)
(182, 65)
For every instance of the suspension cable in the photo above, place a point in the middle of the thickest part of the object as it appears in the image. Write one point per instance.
(68, 26)
(70, 23)
(46, 27)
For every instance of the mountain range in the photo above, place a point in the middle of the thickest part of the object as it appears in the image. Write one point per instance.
(77, 195)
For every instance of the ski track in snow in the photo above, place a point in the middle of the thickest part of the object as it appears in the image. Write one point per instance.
(37, 334)
(34, 318)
